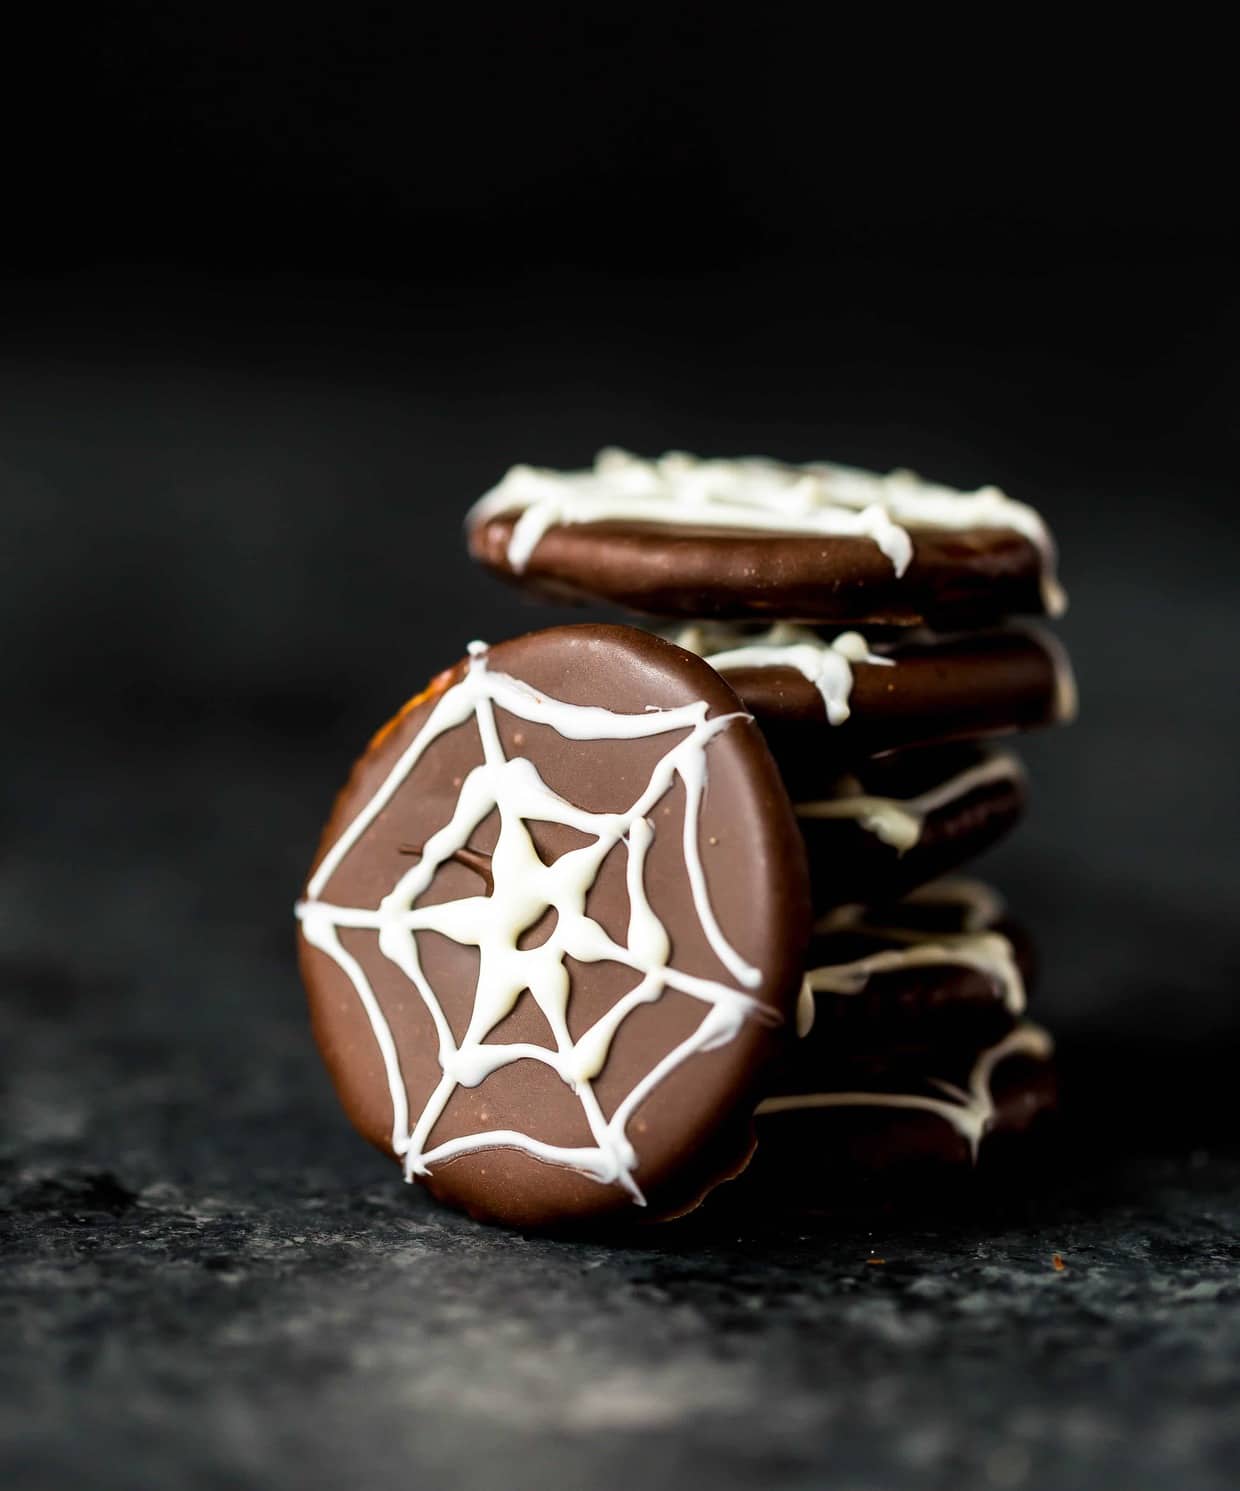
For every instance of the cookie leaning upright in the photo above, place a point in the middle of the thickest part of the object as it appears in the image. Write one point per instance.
(556, 921)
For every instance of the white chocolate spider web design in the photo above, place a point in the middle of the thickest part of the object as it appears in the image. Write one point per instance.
(523, 888)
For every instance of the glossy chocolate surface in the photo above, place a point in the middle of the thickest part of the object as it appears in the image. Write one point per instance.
(956, 579)
(692, 1129)
(936, 690)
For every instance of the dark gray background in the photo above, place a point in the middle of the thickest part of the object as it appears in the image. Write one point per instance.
(277, 307)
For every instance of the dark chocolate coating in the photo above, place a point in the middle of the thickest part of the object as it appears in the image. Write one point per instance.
(828, 1157)
(956, 688)
(694, 1128)
(848, 863)
(955, 579)
(904, 1017)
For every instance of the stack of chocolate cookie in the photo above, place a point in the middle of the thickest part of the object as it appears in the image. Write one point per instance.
(603, 904)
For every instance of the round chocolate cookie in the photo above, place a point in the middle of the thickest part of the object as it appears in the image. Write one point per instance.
(755, 538)
(555, 929)
(897, 1134)
(888, 986)
(826, 701)
(906, 818)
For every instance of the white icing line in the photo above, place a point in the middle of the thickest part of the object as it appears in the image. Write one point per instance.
(522, 890)
(970, 1110)
(756, 495)
(319, 929)
(827, 665)
(899, 821)
(806, 1010)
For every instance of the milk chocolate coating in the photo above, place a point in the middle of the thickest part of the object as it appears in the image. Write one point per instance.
(955, 579)
(946, 689)
(694, 1128)
(903, 1018)
(849, 863)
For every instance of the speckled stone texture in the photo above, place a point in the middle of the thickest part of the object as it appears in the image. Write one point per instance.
(208, 1282)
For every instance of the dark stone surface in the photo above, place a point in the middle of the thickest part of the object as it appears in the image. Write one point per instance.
(207, 1281)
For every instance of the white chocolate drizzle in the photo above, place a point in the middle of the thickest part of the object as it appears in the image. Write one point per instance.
(976, 946)
(970, 1109)
(523, 889)
(756, 495)
(990, 953)
(899, 821)
(827, 665)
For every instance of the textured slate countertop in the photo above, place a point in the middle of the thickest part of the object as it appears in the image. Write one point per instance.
(207, 1281)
